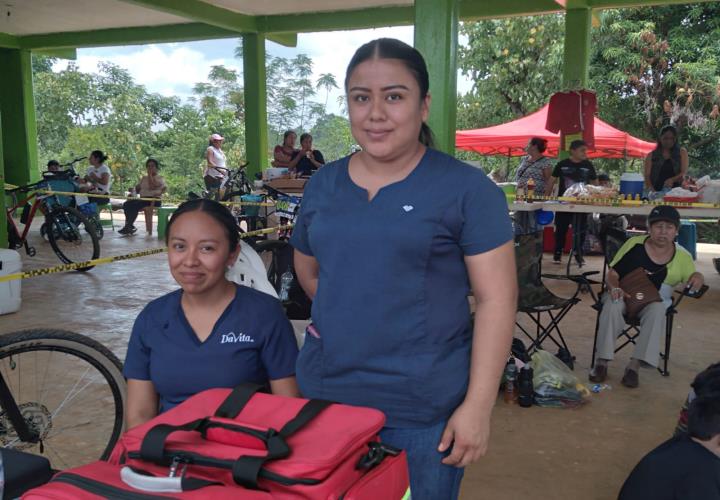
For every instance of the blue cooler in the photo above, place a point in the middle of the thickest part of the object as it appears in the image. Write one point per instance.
(687, 237)
(632, 184)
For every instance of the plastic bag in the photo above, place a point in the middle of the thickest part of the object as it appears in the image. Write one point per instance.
(576, 190)
(710, 192)
(555, 385)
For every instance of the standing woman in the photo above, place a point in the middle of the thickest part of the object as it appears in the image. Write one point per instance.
(537, 167)
(210, 333)
(392, 328)
(215, 170)
(666, 166)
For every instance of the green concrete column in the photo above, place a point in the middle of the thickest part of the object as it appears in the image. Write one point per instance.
(19, 132)
(436, 37)
(3, 220)
(256, 144)
(576, 59)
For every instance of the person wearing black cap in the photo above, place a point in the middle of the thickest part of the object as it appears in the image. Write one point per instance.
(667, 264)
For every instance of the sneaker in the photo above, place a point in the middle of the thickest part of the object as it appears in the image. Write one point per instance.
(598, 374)
(557, 256)
(631, 379)
(127, 230)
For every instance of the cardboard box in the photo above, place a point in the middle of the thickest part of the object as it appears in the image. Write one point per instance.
(288, 185)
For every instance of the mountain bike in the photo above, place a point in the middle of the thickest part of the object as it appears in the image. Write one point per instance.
(277, 256)
(72, 236)
(62, 395)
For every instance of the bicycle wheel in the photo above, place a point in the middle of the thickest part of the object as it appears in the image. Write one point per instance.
(271, 253)
(72, 236)
(71, 391)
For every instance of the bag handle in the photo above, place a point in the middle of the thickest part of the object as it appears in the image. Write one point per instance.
(236, 400)
(246, 470)
(153, 444)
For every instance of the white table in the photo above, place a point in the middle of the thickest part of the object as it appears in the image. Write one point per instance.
(685, 212)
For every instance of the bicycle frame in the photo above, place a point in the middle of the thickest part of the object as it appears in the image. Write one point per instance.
(31, 215)
(10, 408)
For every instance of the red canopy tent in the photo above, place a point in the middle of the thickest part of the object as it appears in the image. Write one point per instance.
(510, 139)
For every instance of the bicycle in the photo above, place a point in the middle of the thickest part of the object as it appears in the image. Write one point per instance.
(65, 226)
(277, 256)
(62, 395)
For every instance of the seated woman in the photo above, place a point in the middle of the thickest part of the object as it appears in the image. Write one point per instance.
(151, 185)
(666, 166)
(283, 153)
(210, 333)
(306, 160)
(98, 178)
(667, 264)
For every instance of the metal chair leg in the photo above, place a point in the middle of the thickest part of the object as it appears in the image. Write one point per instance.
(668, 340)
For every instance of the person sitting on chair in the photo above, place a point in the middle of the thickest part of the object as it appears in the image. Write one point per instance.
(667, 264)
(686, 466)
(151, 185)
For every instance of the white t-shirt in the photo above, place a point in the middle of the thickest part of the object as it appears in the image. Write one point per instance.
(218, 158)
(98, 172)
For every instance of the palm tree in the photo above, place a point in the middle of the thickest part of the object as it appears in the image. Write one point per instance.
(326, 81)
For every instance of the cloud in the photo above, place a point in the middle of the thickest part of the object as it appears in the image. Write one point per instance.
(169, 69)
(172, 69)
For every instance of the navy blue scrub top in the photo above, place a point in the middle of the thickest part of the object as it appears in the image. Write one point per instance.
(391, 307)
(252, 341)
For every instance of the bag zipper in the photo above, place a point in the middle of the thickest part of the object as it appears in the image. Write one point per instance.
(102, 489)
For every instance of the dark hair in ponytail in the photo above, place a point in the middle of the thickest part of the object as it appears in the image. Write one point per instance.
(390, 48)
(99, 155)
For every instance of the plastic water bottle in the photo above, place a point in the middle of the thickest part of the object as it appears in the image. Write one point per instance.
(530, 189)
(510, 394)
(285, 282)
(525, 387)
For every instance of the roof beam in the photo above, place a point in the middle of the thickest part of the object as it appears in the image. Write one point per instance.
(70, 54)
(473, 10)
(374, 17)
(286, 39)
(9, 41)
(619, 4)
(125, 36)
(196, 10)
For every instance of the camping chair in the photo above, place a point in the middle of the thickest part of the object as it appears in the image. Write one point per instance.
(614, 239)
(535, 300)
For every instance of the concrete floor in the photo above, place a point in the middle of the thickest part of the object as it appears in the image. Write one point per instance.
(534, 453)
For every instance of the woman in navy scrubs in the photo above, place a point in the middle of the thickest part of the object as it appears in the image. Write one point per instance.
(388, 244)
(210, 333)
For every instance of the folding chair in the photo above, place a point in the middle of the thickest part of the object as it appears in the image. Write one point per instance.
(535, 299)
(614, 240)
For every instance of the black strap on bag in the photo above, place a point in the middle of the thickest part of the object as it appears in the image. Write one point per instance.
(247, 469)
(236, 401)
(152, 448)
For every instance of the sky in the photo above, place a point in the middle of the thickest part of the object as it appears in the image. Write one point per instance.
(172, 69)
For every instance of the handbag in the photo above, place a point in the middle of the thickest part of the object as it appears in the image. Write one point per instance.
(641, 291)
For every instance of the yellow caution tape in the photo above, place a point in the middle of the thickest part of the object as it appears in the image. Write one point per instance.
(617, 201)
(168, 200)
(107, 260)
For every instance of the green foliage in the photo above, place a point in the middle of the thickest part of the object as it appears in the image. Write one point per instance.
(332, 136)
(649, 67)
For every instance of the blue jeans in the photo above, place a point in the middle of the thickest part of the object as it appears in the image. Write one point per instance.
(430, 479)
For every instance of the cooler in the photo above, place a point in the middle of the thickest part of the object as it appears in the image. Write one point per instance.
(632, 184)
(10, 298)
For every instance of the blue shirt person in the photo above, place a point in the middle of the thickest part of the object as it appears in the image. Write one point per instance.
(389, 243)
(211, 333)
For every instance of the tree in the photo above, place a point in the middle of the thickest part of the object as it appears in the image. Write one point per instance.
(332, 136)
(326, 81)
(515, 65)
(655, 66)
